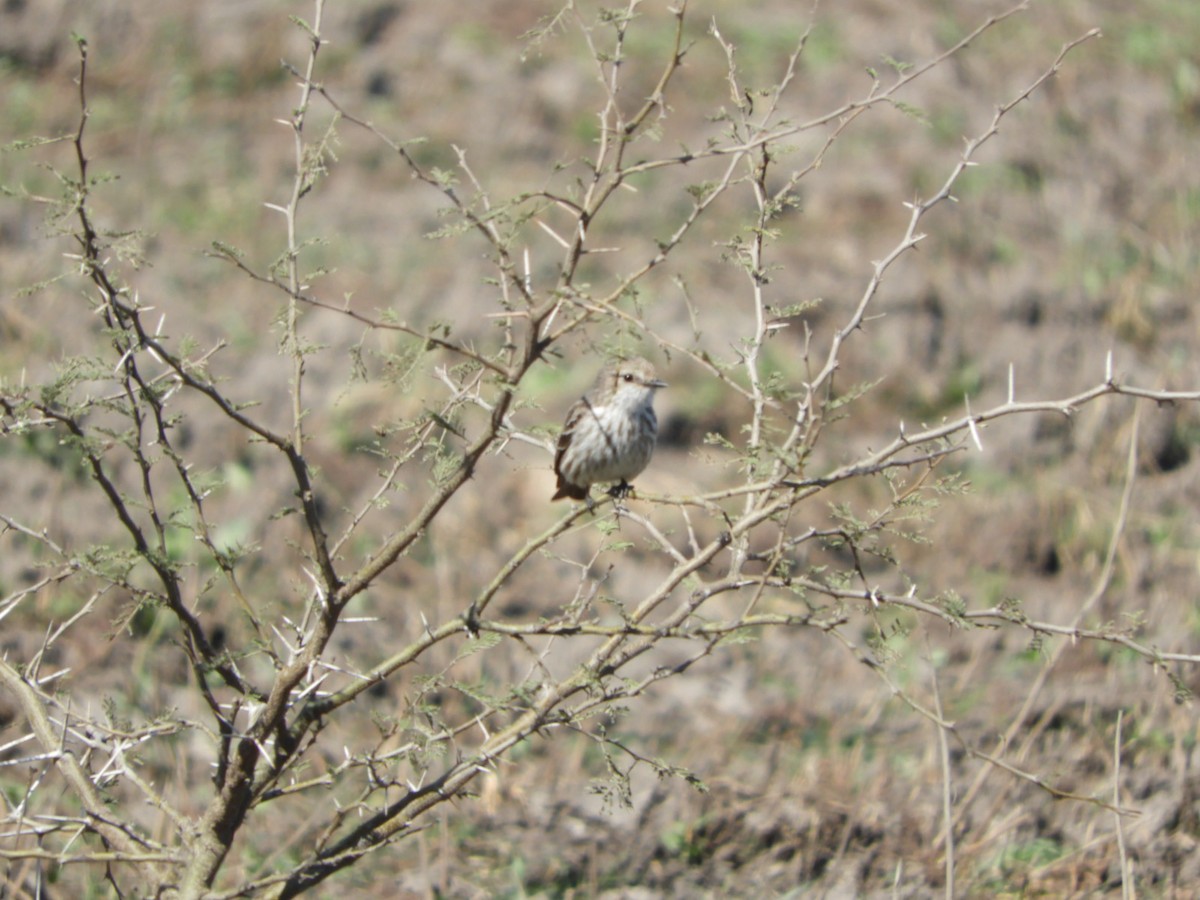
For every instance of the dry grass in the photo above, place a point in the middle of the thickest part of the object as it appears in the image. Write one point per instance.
(1078, 237)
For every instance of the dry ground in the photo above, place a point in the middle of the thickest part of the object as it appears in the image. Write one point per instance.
(1078, 238)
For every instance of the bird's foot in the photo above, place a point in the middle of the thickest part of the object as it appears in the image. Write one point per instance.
(621, 490)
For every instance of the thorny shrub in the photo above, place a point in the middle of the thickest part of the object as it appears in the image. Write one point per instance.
(287, 724)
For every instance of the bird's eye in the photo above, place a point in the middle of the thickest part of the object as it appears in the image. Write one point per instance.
(627, 376)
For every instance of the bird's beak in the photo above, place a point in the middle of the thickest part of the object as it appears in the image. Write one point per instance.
(656, 383)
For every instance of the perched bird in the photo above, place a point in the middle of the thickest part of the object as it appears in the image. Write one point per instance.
(609, 433)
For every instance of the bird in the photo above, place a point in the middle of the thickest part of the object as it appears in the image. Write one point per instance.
(609, 432)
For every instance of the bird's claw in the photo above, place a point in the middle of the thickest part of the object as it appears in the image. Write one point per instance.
(621, 490)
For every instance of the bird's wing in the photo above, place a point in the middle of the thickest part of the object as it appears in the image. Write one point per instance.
(574, 414)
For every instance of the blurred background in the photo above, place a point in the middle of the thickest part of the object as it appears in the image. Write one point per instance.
(1077, 237)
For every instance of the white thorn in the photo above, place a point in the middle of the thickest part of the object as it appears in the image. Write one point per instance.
(971, 425)
(554, 234)
(121, 361)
